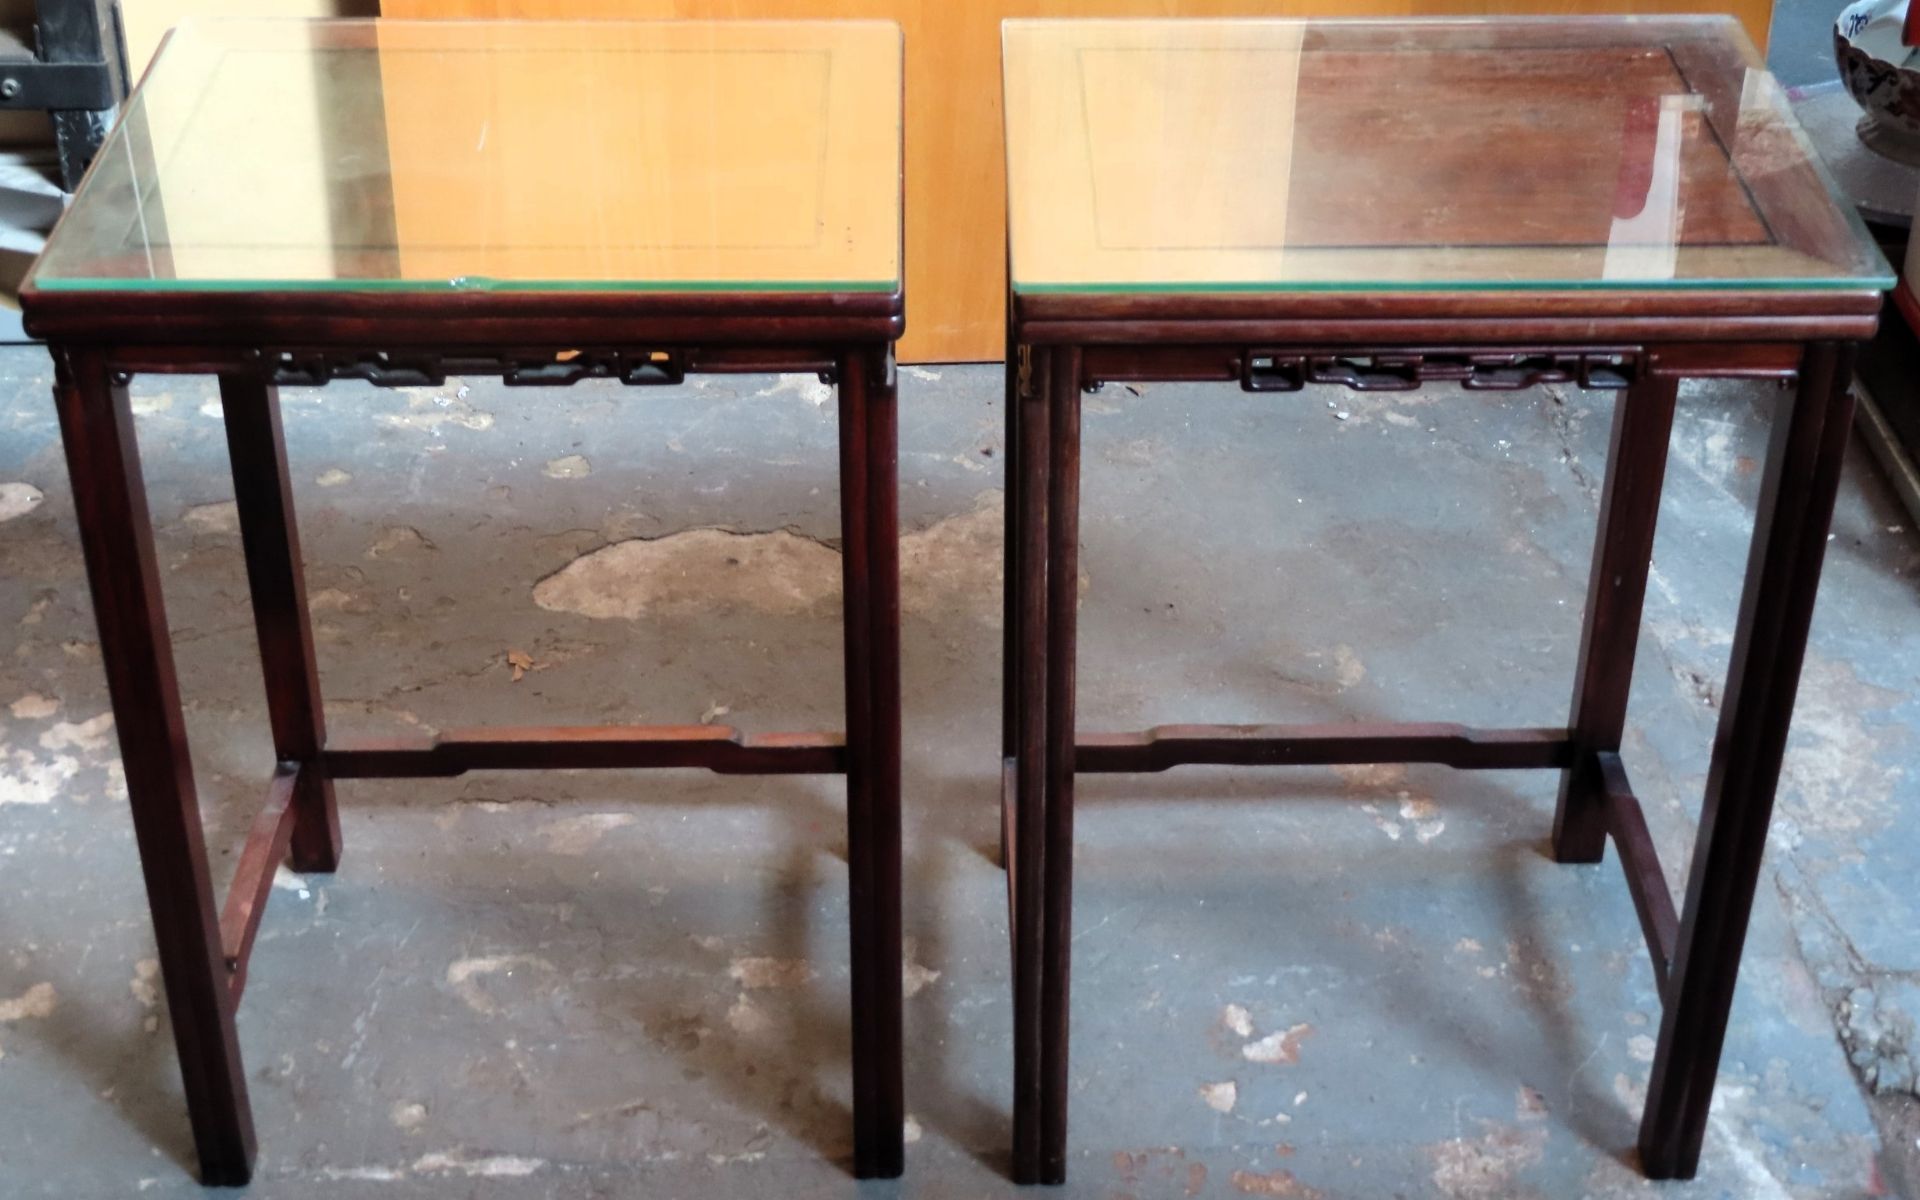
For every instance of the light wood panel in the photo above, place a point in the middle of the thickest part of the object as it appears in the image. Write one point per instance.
(956, 203)
(724, 153)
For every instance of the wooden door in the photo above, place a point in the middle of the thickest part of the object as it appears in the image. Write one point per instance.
(956, 207)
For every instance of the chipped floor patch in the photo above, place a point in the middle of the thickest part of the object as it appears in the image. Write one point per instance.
(694, 574)
(399, 539)
(571, 466)
(807, 387)
(1839, 775)
(405, 1114)
(756, 973)
(220, 517)
(287, 881)
(748, 1018)
(1278, 1049)
(88, 735)
(914, 975)
(577, 835)
(1348, 670)
(28, 780)
(1372, 777)
(953, 565)
(18, 499)
(1237, 1019)
(1220, 1097)
(332, 477)
(146, 979)
(464, 976)
(36, 1002)
(1278, 1183)
(428, 410)
(33, 707)
(499, 1166)
(1423, 815)
(1483, 1168)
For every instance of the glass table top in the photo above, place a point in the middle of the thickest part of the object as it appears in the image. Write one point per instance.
(435, 156)
(1413, 155)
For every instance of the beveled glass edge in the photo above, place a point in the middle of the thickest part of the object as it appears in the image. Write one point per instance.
(202, 23)
(34, 281)
(423, 287)
(1858, 283)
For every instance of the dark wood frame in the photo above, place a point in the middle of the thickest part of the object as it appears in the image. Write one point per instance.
(1642, 343)
(252, 342)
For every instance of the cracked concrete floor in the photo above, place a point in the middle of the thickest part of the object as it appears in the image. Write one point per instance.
(1361, 983)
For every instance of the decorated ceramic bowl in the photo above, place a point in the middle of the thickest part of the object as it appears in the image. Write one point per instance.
(1883, 74)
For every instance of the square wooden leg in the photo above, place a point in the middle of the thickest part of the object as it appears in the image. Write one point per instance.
(1063, 600)
(1047, 526)
(96, 425)
(1616, 592)
(1802, 477)
(1028, 669)
(869, 517)
(270, 537)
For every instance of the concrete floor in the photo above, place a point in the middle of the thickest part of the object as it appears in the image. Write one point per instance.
(634, 984)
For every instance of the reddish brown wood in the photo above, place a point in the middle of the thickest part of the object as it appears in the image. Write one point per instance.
(1646, 881)
(96, 427)
(1616, 590)
(1561, 103)
(1592, 310)
(723, 359)
(717, 748)
(270, 537)
(267, 841)
(1770, 638)
(1030, 668)
(1167, 746)
(1425, 331)
(1755, 360)
(1201, 337)
(870, 539)
(452, 319)
(1063, 601)
(1009, 834)
(1017, 366)
(1765, 150)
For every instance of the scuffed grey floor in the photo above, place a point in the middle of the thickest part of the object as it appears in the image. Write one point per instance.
(1358, 983)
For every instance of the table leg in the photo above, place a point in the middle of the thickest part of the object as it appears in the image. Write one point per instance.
(1010, 591)
(116, 535)
(1616, 591)
(1029, 669)
(1063, 598)
(263, 490)
(1804, 460)
(870, 544)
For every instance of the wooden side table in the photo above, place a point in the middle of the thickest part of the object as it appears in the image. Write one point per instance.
(1613, 203)
(733, 206)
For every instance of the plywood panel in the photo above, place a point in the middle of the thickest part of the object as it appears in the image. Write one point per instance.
(956, 214)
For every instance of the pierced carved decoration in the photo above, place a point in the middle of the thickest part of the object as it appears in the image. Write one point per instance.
(1400, 371)
(531, 368)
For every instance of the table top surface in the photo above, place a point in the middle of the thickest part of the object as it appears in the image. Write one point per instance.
(1565, 154)
(437, 157)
